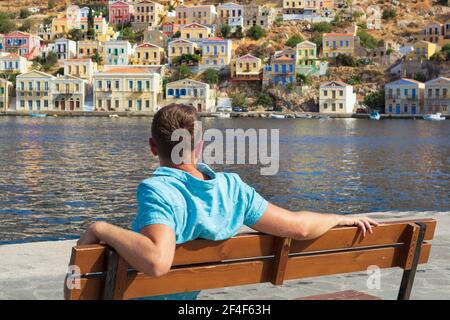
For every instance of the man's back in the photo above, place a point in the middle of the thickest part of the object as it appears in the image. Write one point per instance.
(213, 209)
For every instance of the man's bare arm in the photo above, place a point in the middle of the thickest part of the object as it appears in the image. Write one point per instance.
(304, 225)
(151, 252)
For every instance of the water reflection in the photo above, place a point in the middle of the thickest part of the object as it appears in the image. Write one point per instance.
(56, 175)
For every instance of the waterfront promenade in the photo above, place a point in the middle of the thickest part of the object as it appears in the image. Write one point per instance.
(36, 271)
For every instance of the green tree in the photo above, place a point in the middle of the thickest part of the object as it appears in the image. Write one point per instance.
(49, 61)
(264, 100)
(345, 60)
(47, 20)
(238, 33)
(323, 27)
(294, 40)
(225, 30)
(24, 13)
(317, 39)
(76, 34)
(90, 19)
(256, 32)
(177, 34)
(26, 26)
(7, 25)
(210, 76)
(367, 40)
(375, 100)
(238, 100)
(51, 4)
(389, 14)
(181, 72)
(97, 58)
(278, 22)
(187, 58)
(420, 76)
(303, 79)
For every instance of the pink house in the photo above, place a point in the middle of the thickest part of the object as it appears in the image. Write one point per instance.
(120, 12)
(169, 28)
(24, 44)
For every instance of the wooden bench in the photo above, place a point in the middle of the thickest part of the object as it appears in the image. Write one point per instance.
(256, 258)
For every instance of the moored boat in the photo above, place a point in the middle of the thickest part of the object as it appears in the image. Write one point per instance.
(277, 116)
(374, 115)
(433, 117)
(38, 115)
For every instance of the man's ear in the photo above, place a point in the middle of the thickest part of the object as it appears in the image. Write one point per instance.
(153, 147)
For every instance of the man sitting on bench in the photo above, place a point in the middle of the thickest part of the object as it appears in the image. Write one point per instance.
(183, 202)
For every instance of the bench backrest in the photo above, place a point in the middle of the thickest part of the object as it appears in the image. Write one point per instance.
(249, 259)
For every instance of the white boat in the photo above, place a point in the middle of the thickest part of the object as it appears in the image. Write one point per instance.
(433, 117)
(220, 115)
(113, 115)
(277, 116)
(374, 115)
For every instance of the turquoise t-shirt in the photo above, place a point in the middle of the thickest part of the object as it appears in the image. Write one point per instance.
(212, 209)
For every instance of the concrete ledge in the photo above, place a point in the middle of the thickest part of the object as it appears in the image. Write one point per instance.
(37, 270)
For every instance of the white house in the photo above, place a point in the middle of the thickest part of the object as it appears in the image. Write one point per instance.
(336, 97)
(117, 52)
(65, 49)
(12, 62)
(191, 92)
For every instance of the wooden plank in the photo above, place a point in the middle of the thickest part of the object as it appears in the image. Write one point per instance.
(281, 258)
(342, 295)
(241, 273)
(111, 271)
(91, 258)
(413, 236)
(121, 279)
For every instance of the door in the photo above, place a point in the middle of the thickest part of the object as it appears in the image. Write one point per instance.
(397, 109)
(38, 106)
(413, 110)
(199, 107)
(63, 105)
(72, 105)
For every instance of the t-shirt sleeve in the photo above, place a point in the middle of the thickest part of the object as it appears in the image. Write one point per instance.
(256, 205)
(153, 209)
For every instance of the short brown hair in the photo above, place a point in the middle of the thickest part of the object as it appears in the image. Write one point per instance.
(167, 120)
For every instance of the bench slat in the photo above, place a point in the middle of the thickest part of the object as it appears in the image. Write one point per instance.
(91, 258)
(251, 272)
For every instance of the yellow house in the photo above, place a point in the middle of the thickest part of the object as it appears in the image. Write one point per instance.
(60, 26)
(423, 50)
(246, 68)
(147, 54)
(5, 88)
(127, 88)
(205, 14)
(103, 31)
(87, 48)
(195, 31)
(83, 68)
(338, 43)
(69, 93)
(179, 47)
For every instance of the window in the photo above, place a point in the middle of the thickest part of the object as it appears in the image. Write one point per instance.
(341, 106)
(341, 93)
(170, 92)
(130, 84)
(325, 105)
(99, 84)
(430, 93)
(130, 104)
(116, 84)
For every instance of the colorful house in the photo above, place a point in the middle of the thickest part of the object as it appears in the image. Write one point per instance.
(423, 50)
(404, 96)
(148, 54)
(60, 26)
(117, 52)
(13, 63)
(246, 68)
(83, 68)
(65, 49)
(437, 96)
(280, 69)
(180, 47)
(336, 97)
(69, 94)
(216, 53)
(193, 93)
(120, 12)
(306, 58)
(195, 32)
(127, 89)
(201, 14)
(5, 93)
(87, 48)
(170, 28)
(24, 44)
(229, 12)
(338, 43)
(147, 14)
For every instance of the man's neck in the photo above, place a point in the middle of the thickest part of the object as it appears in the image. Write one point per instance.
(190, 168)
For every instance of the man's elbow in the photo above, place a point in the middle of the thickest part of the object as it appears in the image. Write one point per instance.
(156, 266)
(301, 234)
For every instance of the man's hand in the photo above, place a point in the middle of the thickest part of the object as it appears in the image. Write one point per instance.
(362, 223)
(90, 236)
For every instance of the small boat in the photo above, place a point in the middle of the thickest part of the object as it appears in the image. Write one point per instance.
(38, 115)
(277, 116)
(433, 117)
(220, 115)
(113, 115)
(374, 115)
(325, 117)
